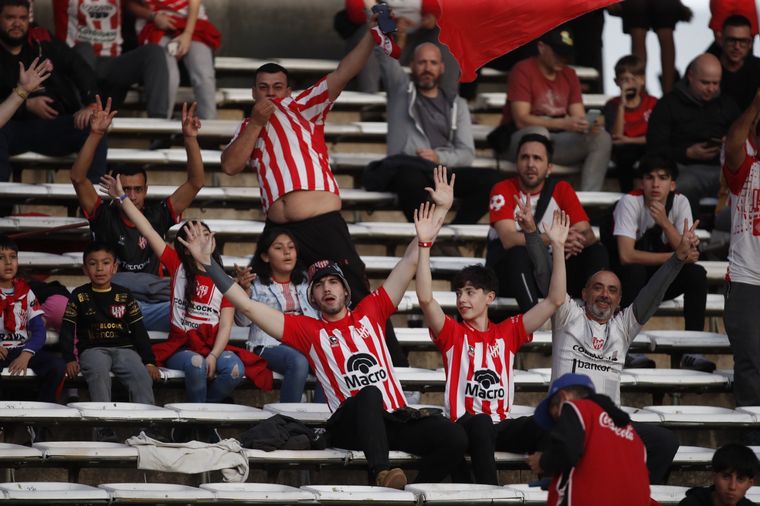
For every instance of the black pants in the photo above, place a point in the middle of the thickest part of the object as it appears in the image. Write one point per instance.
(326, 237)
(48, 368)
(661, 445)
(691, 282)
(51, 137)
(743, 329)
(515, 272)
(472, 189)
(361, 423)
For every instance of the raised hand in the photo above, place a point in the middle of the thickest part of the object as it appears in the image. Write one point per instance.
(524, 215)
(425, 224)
(30, 79)
(101, 118)
(443, 193)
(191, 123)
(111, 186)
(688, 249)
(559, 229)
(201, 245)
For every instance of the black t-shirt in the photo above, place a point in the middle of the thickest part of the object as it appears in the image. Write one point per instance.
(108, 319)
(132, 249)
(742, 84)
(434, 115)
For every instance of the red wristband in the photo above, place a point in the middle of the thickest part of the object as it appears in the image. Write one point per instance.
(423, 244)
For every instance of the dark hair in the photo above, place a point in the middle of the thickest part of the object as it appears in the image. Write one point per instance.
(652, 162)
(537, 138)
(735, 458)
(736, 20)
(97, 246)
(188, 262)
(632, 64)
(14, 3)
(272, 68)
(478, 276)
(262, 269)
(128, 170)
(5, 241)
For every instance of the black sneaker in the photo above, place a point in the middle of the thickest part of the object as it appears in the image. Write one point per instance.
(697, 362)
(639, 361)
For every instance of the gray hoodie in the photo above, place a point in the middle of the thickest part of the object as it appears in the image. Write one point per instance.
(405, 133)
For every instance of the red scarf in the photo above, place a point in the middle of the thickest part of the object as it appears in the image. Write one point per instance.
(7, 302)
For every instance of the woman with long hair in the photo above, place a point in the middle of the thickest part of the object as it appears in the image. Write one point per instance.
(276, 278)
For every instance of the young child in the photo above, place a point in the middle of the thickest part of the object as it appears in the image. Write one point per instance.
(626, 117)
(111, 336)
(478, 354)
(22, 328)
(733, 467)
(646, 232)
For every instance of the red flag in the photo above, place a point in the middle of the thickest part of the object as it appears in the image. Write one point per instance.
(477, 31)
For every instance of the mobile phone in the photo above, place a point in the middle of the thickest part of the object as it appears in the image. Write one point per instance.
(592, 115)
(384, 20)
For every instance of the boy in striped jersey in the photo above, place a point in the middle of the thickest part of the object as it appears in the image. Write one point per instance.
(478, 354)
(347, 350)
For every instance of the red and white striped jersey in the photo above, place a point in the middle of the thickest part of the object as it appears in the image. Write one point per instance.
(97, 22)
(290, 153)
(349, 354)
(16, 311)
(479, 366)
(201, 317)
(179, 7)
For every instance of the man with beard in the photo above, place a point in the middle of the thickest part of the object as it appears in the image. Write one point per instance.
(507, 253)
(54, 119)
(427, 127)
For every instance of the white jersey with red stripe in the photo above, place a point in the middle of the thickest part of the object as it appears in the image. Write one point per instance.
(479, 366)
(744, 252)
(290, 153)
(97, 22)
(18, 314)
(349, 354)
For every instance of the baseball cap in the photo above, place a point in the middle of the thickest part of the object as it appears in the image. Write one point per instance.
(322, 268)
(561, 41)
(541, 415)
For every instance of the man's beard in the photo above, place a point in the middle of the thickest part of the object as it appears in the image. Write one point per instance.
(428, 84)
(601, 314)
(11, 41)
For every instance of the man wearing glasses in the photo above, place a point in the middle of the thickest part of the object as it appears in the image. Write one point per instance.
(741, 70)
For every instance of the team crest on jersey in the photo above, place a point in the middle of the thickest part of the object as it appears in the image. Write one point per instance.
(485, 385)
(493, 350)
(362, 332)
(117, 311)
(597, 343)
(363, 370)
(142, 242)
(201, 291)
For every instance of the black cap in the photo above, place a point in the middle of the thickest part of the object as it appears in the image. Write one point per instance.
(322, 268)
(561, 41)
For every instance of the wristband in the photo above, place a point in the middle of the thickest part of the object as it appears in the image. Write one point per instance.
(212, 355)
(218, 276)
(121, 198)
(424, 244)
(21, 92)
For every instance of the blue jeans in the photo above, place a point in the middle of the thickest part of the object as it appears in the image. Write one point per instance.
(155, 315)
(229, 374)
(293, 366)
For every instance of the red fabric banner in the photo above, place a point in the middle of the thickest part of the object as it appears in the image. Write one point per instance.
(477, 31)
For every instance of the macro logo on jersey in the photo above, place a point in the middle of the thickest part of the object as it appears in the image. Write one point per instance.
(363, 370)
(485, 385)
(117, 311)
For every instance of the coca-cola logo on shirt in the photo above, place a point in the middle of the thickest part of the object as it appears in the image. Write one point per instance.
(623, 432)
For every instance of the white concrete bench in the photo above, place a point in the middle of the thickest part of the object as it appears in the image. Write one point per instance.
(156, 493)
(703, 416)
(496, 101)
(464, 493)
(358, 494)
(258, 493)
(46, 492)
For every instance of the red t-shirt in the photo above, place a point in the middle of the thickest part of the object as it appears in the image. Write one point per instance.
(721, 9)
(502, 204)
(349, 354)
(479, 366)
(550, 98)
(636, 121)
(612, 469)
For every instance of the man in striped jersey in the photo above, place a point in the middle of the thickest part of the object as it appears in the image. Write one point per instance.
(347, 351)
(284, 142)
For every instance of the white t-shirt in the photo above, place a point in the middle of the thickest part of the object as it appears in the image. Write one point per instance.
(583, 346)
(633, 219)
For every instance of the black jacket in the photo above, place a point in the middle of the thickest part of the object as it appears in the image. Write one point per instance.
(72, 83)
(680, 120)
(702, 496)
